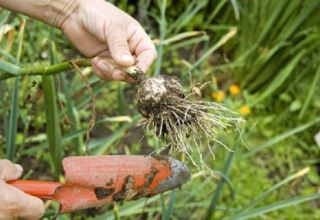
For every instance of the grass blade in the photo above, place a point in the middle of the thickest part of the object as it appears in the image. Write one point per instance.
(188, 15)
(218, 191)
(12, 131)
(13, 121)
(183, 36)
(171, 204)
(117, 134)
(121, 98)
(72, 112)
(279, 205)
(163, 30)
(280, 137)
(53, 125)
(275, 187)
(10, 68)
(236, 10)
(129, 209)
(221, 42)
(311, 92)
(52, 118)
(280, 78)
(215, 12)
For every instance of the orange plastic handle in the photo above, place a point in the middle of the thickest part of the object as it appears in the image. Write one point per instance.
(41, 189)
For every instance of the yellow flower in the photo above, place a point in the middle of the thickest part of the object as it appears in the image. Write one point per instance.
(234, 89)
(245, 110)
(218, 96)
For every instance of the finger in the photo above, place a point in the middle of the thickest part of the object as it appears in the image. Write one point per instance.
(145, 60)
(19, 204)
(104, 54)
(118, 46)
(142, 46)
(106, 71)
(9, 171)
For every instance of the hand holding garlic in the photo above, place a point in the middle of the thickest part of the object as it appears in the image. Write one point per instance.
(97, 29)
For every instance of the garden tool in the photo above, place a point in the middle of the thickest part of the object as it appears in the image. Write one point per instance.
(92, 181)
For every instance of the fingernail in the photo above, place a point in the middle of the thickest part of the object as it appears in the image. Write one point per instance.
(127, 59)
(19, 167)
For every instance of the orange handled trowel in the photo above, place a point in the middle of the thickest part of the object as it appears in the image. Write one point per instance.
(96, 180)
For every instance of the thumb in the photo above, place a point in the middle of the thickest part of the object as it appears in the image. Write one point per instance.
(119, 48)
(16, 203)
(9, 171)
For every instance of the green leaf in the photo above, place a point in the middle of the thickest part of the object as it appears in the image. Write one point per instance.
(280, 78)
(10, 68)
(73, 116)
(218, 191)
(280, 137)
(12, 131)
(232, 32)
(105, 143)
(171, 204)
(274, 188)
(163, 32)
(278, 205)
(311, 92)
(129, 209)
(52, 116)
(13, 121)
(53, 125)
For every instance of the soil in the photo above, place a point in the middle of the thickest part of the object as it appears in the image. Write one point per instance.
(155, 92)
(126, 188)
(154, 97)
(102, 193)
(149, 179)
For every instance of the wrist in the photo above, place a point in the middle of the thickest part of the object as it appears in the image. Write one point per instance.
(52, 12)
(58, 11)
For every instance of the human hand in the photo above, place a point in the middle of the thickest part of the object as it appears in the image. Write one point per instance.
(14, 203)
(98, 29)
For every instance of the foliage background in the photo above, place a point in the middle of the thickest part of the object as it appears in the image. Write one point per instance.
(269, 49)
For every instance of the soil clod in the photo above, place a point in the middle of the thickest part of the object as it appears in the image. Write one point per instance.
(127, 190)
(149, 179)
(102, 193)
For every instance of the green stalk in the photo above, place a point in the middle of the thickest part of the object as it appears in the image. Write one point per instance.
(13, 121)
(72, 112)
(163, 27)
(15, 71)
(271, 142)
(275, 206)
(163, 205)
(272, 189)
(52, 116)
(311, 93)
(171, 204)
(11, 70)
(56, 68)
(218, 191)
(121, 98)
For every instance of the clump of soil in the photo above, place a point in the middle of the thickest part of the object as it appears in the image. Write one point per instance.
(155, 96)
(178, 120)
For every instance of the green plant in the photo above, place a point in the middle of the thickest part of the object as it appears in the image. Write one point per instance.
(269, 48)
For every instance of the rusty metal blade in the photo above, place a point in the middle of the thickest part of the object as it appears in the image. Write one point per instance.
(96, 180)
